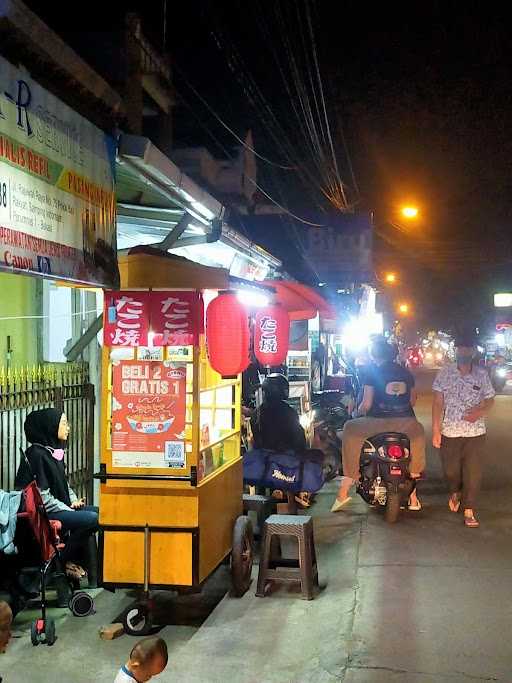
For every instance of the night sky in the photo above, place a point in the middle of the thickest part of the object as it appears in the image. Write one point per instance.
(422, 95)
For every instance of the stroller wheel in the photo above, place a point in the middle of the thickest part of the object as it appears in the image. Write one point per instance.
(81, 604)
(50, 632)
(34, 631)
(43, 631)
(137, 620)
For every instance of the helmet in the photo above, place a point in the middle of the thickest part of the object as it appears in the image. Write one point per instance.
(380, 350)
(275, 387)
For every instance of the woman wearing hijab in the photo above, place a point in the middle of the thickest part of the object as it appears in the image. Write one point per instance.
(47, 431)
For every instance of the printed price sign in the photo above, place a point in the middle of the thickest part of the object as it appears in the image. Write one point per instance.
(148, 413)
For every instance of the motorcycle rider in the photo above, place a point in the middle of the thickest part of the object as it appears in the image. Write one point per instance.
(387, 406)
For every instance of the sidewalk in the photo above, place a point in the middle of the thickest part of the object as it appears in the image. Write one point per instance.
(248, 639)
(422, 601)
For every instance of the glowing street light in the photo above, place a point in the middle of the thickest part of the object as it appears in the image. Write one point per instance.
(410, 212)
(390, 278)
(403, 308)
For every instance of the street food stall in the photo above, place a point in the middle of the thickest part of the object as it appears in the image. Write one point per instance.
(305, 306)
(171, 470)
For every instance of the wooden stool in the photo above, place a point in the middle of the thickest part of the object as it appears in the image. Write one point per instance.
(282, 570)
(263, 506)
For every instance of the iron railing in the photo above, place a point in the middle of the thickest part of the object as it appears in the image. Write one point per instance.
(67, 388)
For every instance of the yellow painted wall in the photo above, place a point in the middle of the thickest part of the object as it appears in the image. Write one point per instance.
(18, 297)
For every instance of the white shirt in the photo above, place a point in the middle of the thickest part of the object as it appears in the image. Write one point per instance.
(460, 394)
(124, 676)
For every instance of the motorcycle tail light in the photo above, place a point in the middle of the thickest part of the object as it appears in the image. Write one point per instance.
(395, 452)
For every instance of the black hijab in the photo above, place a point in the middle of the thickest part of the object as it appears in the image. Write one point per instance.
(42, 427)
(41, 430)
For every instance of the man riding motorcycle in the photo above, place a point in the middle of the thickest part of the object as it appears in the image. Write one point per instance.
(387, 406)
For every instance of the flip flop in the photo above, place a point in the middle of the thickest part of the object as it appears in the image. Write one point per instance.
(75, 571)
(338, 504)
(454, 503)
(416, 507)
(471, 522)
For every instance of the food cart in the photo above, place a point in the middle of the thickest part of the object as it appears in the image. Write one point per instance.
(171, 470)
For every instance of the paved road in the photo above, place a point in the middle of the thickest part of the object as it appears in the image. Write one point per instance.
(423, 601)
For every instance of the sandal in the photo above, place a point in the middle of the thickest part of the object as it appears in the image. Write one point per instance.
(415, 507)
(471, 521)
(75, 571)
(454, 502)
(303, 499)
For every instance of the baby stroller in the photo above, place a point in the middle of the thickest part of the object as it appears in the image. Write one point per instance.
(37, 539)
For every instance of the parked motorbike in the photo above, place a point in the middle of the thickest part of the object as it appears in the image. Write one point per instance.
(385, 477)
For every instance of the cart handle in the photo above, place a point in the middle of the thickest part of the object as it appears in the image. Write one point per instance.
(104, 476)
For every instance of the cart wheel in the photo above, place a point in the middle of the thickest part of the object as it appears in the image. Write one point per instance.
(34, 631)
(137, 621)
(49, 631)
(81, 604)
(241, 557)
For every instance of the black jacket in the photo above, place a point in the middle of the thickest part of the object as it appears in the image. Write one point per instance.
(41, 427)
(276, 427)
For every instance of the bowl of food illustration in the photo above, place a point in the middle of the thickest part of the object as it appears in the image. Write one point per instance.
(146, 424)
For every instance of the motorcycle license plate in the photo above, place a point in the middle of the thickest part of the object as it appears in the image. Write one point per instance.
(395, 470)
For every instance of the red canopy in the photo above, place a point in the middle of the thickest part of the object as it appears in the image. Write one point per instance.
(301, 302)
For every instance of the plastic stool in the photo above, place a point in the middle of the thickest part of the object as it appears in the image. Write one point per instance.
(281, 570)
(263, 506)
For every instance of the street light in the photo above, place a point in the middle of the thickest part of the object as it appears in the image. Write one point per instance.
(410, 212)
(403, 308)
(390, 278)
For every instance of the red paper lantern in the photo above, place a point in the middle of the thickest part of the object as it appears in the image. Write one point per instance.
(271, 335)
(227, 335)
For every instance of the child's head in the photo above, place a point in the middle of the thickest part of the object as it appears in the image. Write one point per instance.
(148, 658)
(5, 624)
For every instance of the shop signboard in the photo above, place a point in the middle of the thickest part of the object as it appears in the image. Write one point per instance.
(172, 317)
(331, 248)
(57, 195)
(148, 414)
(126, 318)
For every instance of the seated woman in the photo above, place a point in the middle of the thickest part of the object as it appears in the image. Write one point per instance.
(48, 430)
(276, 427)
(387, 406)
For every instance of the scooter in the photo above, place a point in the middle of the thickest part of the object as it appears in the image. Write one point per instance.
(385, 476)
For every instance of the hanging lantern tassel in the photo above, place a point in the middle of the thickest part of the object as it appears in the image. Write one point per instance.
(272, 335)
(227, 335)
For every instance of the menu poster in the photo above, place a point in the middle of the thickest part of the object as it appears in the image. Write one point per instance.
(148, 413)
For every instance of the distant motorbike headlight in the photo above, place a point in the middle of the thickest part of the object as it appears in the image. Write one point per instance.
(501, 372)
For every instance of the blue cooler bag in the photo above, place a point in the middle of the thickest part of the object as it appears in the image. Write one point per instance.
(285, 471)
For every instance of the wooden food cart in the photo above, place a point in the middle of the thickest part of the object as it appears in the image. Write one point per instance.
(171, 469)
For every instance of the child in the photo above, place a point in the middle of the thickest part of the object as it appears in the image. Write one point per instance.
(147, 659)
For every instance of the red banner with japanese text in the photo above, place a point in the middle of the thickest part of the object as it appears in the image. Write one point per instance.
(126, 318)
(148, 414)
(175, 318)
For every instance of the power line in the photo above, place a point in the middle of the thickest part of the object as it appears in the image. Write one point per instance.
(237, 137)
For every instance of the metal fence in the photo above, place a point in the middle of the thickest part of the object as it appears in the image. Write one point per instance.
(29, 388)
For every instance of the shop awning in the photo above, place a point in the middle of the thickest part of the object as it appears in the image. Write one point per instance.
(159, 205)
(301, 302)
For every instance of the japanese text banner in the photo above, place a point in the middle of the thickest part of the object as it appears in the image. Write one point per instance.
(126, 318)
